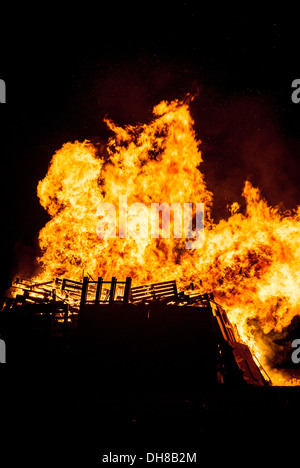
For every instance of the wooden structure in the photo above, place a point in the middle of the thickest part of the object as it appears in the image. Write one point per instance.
(95, 292)
(162, 330)
(155, 291)
(145, 330)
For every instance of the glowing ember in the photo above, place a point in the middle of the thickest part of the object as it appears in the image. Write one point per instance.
(250, 261)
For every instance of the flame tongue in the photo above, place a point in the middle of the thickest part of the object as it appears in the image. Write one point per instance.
(155, 163)
(250, 261)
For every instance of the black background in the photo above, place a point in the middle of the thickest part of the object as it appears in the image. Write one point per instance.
(67, 68)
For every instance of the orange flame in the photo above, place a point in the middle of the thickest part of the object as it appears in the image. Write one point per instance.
(250, 261)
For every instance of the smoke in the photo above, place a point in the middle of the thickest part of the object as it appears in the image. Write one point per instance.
(243, 139)
(242, 132)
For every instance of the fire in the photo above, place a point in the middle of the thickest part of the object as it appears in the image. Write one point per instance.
(250, 261)
(147, 163)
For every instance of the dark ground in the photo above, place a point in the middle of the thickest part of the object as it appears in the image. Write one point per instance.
(76, 406)
(74, 421)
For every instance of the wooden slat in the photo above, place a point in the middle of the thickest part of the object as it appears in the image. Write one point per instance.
(164, 282)
(76, 291)
(142, 293)
(127, 290)
(149, 292)
(153, 291)
(160, 287)
(67, 286)
(73, 282)
(149, 286)
(145, 291)
(140, 298)
(112, 289)
(164, 290)
(99, 290)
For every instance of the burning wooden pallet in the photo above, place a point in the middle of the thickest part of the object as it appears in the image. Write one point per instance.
(36, 309)
(80, 293)
(157, 291)
(57, 304)
(33, 292)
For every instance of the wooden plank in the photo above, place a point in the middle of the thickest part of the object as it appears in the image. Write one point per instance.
(156, 287)
(142, 288)
(37, 285)
(163, 287)
(112, 289)
(149, 292)
(151, 285)
(164, 282)
(144, 298)
(73, 288)
(166, 289)
(244, 360)
(140, 293)
(73, 282)
(70, 286)
(73, 294)
(99, 290)
(127, 290)
(83, 295)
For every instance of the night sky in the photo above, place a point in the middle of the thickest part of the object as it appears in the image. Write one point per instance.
(65, 72)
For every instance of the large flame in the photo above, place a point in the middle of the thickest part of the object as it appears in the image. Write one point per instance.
(250, 261)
